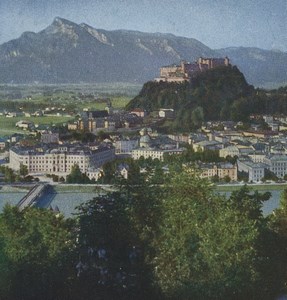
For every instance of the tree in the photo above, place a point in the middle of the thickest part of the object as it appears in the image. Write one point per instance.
(227, 178)
(278, 246)
(23, 170)
(269, 175)
(76, 176)
(109, 253)
(35, 248)
(240, 110)
(247, 202)
(109, 169)
(206, 249)
(197, 116)
(9, 175)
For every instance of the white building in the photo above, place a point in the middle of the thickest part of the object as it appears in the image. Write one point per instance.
(255, 171)
(59, 159)
(24, 124)
(257, 158)
(154, 153)
(94, 173)
(277, 164)
(166, 113)
(229, 151)
(126, 146)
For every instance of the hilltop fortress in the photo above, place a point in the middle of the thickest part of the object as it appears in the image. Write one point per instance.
(184, 71)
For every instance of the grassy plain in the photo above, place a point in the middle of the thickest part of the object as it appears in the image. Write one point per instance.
(7, 125)
(69, 98)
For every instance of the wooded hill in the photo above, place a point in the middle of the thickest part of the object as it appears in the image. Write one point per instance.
(218, 94)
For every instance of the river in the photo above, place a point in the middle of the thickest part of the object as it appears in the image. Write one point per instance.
(66, 199)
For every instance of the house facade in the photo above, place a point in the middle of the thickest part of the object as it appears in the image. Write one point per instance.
(221, 170)
(58, 160)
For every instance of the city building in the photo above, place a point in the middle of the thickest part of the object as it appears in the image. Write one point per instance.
(25, 125)
(94, 173)
(59, 159)
(207, 145)
(49, 137)
(167, 113)
(154, 153)
(277, 164)
(139, 112)
(229, 151)
(125, 146)
(222, 170)
(255, 171)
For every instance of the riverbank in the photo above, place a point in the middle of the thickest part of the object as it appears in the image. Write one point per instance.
(262, 187)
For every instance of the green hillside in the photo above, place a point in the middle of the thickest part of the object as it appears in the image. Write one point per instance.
(212, 95)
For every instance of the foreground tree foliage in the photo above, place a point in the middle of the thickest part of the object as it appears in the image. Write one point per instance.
(174, 240)
(111, 261)
(278, 225)
(206, 249)
(35, 254)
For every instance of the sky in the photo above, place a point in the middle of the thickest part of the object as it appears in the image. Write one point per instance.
(216, 23)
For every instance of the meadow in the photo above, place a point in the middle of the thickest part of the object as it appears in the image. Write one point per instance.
(67, 100)
(7, 125)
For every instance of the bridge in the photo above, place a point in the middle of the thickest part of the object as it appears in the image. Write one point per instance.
(35, 193)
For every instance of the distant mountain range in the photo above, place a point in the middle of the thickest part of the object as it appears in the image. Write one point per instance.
(66, 52)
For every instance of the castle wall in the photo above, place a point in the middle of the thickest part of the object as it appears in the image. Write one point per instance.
(185, 70)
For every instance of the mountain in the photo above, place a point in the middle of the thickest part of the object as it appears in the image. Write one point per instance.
(66, 52)
(261, 67)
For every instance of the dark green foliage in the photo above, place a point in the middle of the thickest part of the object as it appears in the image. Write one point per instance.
(278, 223)
(35, 254)
(189, 155)
(82, 136)
(152, 171)
(177, 239)
(248, 203)
(76, 176)
(9, 175)
(204, 247)
(23, 170)
(269, 175)
(210, 95)
(110, 250)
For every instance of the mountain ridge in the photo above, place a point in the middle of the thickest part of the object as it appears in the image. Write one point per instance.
(66, 52)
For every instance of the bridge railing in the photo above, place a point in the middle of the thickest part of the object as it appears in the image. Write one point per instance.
(31, 196)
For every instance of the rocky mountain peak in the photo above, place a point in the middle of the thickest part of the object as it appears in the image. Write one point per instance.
(62, 26)
(62, 22)
(100, 36)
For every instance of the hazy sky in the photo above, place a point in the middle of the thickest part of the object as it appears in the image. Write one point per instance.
(216, 23)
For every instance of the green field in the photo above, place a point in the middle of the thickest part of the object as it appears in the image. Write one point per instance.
(20, 91)
(7, 125)
(118, 102)
(70, 98)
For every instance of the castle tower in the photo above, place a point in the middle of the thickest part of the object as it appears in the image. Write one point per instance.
(226, 61)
